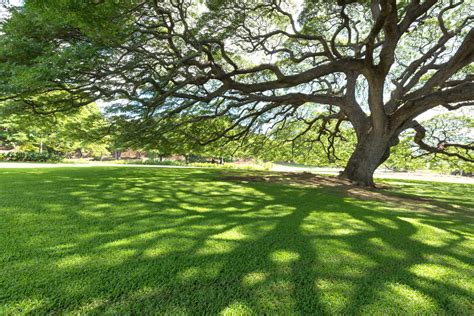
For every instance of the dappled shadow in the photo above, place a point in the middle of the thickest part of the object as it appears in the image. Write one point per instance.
(424, 199)
(193, 241)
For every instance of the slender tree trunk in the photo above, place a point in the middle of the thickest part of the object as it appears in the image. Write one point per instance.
(370, 153)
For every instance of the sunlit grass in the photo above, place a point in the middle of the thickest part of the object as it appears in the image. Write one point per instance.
(186, 241)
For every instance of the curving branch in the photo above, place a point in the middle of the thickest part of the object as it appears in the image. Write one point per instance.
(466, 151)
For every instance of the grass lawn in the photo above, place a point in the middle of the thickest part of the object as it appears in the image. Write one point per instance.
(193, 241)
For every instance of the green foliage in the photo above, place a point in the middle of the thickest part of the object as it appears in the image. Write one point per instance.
(259, 166)
(154, 162)
(82, 131)
(184, 136)
(191, 241)
(295, 142)
(451, 128)
(402, 156)
(440, 129)
(264, 166)
(30, 157)
(452, 165)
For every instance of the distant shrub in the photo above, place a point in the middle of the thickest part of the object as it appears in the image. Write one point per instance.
(262, 166)
(30, 156)
(266, 166)
(155, 162)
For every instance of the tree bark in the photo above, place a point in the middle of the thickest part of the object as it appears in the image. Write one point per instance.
(370, 153)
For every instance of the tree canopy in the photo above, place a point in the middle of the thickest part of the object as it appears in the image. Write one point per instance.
(263, 66)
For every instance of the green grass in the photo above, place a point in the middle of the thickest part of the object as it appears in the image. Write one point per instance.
(186, 241)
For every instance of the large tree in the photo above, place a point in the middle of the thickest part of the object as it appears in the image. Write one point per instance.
(260, 63)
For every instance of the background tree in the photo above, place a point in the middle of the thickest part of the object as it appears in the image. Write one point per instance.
(376, 64)
(82, 131)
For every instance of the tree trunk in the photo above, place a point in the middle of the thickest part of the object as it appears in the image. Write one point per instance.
(370, 153)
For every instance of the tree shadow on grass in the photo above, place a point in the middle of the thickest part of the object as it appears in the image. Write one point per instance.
(176, 241)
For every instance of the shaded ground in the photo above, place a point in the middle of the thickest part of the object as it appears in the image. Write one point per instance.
(194, 241)
(386, 191)
(381, 174)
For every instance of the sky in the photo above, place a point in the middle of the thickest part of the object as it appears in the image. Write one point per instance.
(6, 2)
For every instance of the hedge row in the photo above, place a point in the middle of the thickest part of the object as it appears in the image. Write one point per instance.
(30, 156)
